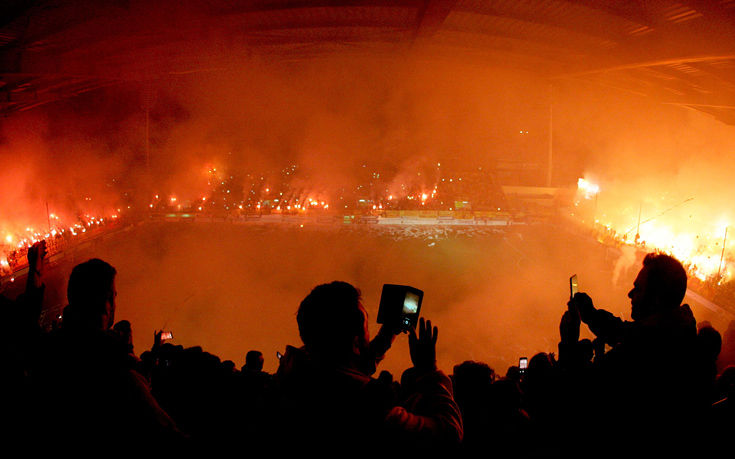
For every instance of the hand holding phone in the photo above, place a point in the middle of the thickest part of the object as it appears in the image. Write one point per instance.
(573, 289)
(573, 286)
(399, 307)
(422, 345)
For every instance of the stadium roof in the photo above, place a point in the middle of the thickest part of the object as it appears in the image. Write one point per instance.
(675, 52)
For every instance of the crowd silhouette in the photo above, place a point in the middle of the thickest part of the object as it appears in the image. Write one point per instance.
(661, 384)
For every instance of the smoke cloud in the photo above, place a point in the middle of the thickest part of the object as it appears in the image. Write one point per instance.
(339, 117)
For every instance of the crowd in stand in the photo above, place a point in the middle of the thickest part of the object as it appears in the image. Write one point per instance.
(660, 384)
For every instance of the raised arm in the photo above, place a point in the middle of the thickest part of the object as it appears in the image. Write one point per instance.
(432, 417)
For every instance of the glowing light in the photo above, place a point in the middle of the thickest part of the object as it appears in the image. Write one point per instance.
(692, 234)
(588, 188)
(9, 239)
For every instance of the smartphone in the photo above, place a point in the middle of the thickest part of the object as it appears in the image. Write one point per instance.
(523, 363)
(166, 335)
(279, 355)
(573, 286)
(400, 306)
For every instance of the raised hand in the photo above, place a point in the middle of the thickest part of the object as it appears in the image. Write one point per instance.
(581, 305)
(423, 345)
(569, 327)
(157, 340)
(36, 255)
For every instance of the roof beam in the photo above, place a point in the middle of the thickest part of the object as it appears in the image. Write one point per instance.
(712, 11)
(431, 16)
(634, 11)
(673, 94)
(727, 77)
(693, 59)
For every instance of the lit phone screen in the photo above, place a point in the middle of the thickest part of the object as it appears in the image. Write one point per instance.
(411, 303)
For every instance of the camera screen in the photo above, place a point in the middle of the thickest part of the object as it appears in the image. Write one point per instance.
(523, 363)
(411, 303)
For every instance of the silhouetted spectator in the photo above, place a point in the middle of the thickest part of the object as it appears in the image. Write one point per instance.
(255, 380)
(19, 335)
(514, 373)
(330, 404)
(709, 344)
(253, 362)
(544, 402)
(509, 432)
(89, 394)
(721, 424)
(472, 390)
(125, 331)
(228, 366)
(21, 316)
(645, 391)
(727, 355)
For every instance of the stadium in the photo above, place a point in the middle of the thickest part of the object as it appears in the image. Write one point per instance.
(228, 156)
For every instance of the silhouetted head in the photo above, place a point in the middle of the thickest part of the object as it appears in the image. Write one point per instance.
(228, 366)
(332, 322)
(91, 293)
(586, 350)
(660, 286)
(254, 361)
(709, 342)
(730, 332)
(472, 381)
(124, 329)
(474, 374)
(540, 372)
(506, 394)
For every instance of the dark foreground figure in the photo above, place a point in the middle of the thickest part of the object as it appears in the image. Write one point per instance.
(88, 390)
(646, 387)
(328, 401)
(644, 394)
